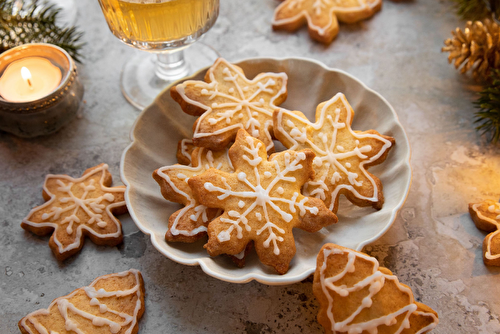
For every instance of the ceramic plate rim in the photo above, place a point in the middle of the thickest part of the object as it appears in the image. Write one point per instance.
(266, 279)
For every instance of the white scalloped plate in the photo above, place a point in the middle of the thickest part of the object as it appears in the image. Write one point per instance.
(161, 125)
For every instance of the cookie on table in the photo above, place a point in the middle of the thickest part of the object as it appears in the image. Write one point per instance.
(76, 208)
(358, 296)
(189, 223)
(322, 16)
(262, 202)
(228, 101)
(185, 148)
(112, 303)
(342, 155)
(486, 216)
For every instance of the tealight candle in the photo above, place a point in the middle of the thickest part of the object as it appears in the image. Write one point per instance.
(39, 89)
(29, 79)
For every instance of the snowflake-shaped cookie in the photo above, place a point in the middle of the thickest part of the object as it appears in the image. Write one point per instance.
(358, 296)
(486, 216)
(228, 101)
(261, 202)
(321, 15)
(78, 207)
(189, 223)
(342, 155)
(110, 304)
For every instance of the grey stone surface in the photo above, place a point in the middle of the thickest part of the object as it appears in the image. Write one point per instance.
(433, 245)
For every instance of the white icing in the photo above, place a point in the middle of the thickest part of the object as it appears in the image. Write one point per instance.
(244, 103)
(92, 207)
(494, 208)
(65, 307)
(313, 8)
(185, 143)
(328, 157)
(262, 200)
(205, 160)
(374, 281)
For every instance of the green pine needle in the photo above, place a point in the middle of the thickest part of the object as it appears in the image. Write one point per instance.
(472, 9)
(488, 116)
(36, 24)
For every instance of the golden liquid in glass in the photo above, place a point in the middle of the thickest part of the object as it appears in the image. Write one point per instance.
(154, 22)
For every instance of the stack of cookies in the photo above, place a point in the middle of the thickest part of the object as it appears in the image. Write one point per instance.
(238, 191)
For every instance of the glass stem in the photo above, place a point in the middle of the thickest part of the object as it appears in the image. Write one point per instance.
(171, 65)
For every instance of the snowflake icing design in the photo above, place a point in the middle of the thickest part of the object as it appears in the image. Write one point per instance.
(322, 16)
(486, 216)
(78, 206)
(229, 101)
(190, 223)
(342, 155)
(261, 202)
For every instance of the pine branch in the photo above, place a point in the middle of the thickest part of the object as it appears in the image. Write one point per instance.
(36, 24)
(488, 116)
(472, 9)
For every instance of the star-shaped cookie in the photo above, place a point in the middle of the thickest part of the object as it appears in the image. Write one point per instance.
(322, 16)
(110, 304)
(342, 155)
(189, 223)
(486, 216)
(228, 101)
(358, 296)
(262, 202)
(78, 207)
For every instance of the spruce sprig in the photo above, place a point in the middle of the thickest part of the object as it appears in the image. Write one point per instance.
(488, 116)
(472, 9)
(36, 24)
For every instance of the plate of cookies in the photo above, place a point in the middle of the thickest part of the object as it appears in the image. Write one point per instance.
(247, 169)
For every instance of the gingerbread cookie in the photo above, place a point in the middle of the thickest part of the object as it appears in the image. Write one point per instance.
(185, 149)
(262, 202)
(110, 304)
(486, 216)
(78, 207)
(358, 296)
(322, 16)
(189, 223)
(228, 101)
(342, 155)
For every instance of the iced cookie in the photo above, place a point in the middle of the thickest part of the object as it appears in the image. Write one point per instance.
(262, 202)
(110, 304)
(342, 155)
(322, 16)
(486, 216)
(358, 296)
(189, 223)
(78, 207)
(228, 101)
(185, 149)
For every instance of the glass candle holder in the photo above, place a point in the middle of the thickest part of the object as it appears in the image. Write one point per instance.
(49, 113)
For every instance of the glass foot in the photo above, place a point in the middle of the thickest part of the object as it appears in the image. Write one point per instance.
(140, 80)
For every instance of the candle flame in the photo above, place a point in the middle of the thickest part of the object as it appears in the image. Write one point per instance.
(26, 74)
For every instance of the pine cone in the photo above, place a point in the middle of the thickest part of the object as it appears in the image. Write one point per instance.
(476, 48)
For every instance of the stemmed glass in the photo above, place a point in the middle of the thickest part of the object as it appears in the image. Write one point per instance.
(164, 28)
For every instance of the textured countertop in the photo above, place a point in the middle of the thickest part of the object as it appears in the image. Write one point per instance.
(433, 245)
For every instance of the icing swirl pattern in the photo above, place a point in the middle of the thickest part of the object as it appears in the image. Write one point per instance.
(322, 16)
(358, 296)
(78, 207)
(189, 223)
(486, 216)
(228, 101)
(262, 202)
(111, 304)
(342, 155)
